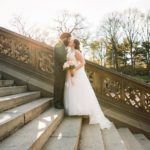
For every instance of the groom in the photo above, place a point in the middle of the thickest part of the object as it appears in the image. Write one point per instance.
(60, 53)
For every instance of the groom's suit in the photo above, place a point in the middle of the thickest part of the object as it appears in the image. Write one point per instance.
(60, 53)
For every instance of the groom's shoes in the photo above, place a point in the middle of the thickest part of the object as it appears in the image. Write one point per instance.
(59, 106)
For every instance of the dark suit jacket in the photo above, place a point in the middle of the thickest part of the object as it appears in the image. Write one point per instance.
(59, 58)
(59, 74)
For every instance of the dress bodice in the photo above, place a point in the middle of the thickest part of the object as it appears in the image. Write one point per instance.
(71, 56)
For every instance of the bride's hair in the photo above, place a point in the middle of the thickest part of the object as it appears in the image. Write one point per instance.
(77, 44)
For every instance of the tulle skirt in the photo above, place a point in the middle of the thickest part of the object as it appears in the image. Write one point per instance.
(80, 99)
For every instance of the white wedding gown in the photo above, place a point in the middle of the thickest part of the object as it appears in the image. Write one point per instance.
(80, 99)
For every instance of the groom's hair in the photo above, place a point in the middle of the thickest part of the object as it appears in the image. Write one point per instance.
(65, 35)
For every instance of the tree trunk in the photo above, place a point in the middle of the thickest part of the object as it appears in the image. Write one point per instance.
(132, 56)
(115, 56)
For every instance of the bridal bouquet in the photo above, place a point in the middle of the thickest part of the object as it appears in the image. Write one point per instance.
(69, 66)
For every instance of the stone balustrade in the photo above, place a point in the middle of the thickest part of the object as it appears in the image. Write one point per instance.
(110, 86)
(118, 88)
(29, 53)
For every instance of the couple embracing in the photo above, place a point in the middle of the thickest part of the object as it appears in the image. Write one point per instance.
(72, 89)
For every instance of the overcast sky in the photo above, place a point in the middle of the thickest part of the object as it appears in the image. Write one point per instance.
(42, 12)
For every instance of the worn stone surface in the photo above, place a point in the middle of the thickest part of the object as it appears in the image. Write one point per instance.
(17, 117)
(66, 136)
(5, 83)
(129, 139)
(5, 91)
(11, 101)
(112, 139)
(91, 137)
(34, 134)
(26, 78)
(144, 141)
(124, 120)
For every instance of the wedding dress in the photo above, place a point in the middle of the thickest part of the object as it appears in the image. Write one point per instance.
(79, 97)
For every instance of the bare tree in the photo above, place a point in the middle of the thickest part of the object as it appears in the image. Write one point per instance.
(97, 49)
(145, 34)
(73, 23)
(40, 34)
(21, 26)
(94, 46)
(146, 27)
(110, 31)
(131, 22)
(69, 22)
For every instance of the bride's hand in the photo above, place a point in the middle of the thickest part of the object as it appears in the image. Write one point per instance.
(72, 72)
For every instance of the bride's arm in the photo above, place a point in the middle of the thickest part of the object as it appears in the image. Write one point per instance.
(80, 58)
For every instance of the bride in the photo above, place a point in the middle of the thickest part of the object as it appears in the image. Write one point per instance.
(79, 96)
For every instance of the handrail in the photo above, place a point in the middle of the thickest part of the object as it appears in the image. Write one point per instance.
(109, 85)
(113, 87)
(26, 53)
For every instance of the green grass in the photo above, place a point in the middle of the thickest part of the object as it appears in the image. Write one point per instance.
(143, 78)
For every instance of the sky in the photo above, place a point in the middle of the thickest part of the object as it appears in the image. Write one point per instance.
(43, 11)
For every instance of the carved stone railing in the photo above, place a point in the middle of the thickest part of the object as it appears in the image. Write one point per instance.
(26, 53)
(111, 87)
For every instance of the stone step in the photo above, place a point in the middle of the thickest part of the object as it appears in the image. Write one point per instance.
(91, 137)
(5, 91)
(125, 120)
(11, 101)
(112, 139)
(35, 134)
(143, 140)
(13, 119)
(129, 139)
(66, 136)
(6, 83)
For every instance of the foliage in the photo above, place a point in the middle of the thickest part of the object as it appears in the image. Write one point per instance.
(122, 40)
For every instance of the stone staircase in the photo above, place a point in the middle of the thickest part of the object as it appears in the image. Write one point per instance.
(29, 121)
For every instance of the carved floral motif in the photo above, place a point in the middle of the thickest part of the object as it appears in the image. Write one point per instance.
(14, 49)
(112, 88)
(5, 45)
(147, 101)
(21, 51)
(45, 61)
(132, 96)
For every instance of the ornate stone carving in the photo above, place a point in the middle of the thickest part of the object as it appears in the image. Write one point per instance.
(14, 49)
(21, 53)
(116, 87)
(25, 51)
(90, 75)
(5, 46)
(112, 88)
(45, 61)
(146, 101)
(132, 96)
